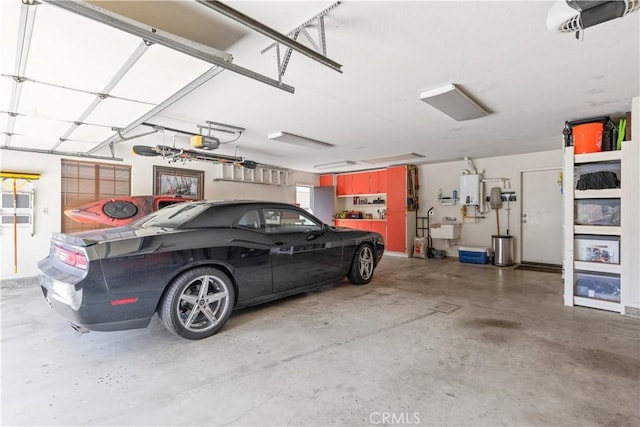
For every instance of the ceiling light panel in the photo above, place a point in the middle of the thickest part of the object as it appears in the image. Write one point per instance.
(90, 133)
(9, 24)
(290, 138)
(117, 112)
(332, 165)
(40, 128)
(70, 50)
(159, 74)
(453, 102)
(52, 102)
(395, 158)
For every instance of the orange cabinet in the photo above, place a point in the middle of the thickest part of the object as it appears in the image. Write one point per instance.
(378, 182)
(351, 223)
(397, 209)
(380, 227)
(364, 224)
(360, 183)
(326, 180)
(397, 189)
(396, 240)
(344, 185)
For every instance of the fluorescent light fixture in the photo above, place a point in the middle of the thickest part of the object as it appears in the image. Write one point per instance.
(453, 102)
(298, 140)
(332, 165)
(395, 158)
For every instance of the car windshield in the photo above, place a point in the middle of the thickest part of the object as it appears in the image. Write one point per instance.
(172, 216)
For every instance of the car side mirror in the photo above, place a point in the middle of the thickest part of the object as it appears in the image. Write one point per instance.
(324, 228)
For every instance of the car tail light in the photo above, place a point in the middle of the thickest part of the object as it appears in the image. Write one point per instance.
(75, 259)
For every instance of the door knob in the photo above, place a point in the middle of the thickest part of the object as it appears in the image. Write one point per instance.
(524, 221)
(524, 215)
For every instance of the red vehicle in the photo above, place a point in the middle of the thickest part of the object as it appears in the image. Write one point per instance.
(121, 210)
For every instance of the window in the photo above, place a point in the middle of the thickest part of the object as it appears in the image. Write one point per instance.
(288, 221)
(303, 197)
(250, 219)
(86, 182)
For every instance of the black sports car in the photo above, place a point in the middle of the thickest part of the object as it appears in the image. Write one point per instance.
(193, 263)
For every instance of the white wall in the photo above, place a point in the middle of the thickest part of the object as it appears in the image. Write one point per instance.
(446, 176)
(47, 204)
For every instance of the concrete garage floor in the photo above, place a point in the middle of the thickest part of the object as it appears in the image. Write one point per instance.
(428, 342)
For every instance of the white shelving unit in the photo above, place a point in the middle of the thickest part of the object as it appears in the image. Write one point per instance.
(259, 175)
(573, 268)
(590, 273)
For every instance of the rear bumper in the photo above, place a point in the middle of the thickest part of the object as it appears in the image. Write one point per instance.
(66, 300)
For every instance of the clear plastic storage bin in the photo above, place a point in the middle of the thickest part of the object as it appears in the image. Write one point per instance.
(597, 212)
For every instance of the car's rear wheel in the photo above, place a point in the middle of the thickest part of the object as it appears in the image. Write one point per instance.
(197, 303)
(362, 266)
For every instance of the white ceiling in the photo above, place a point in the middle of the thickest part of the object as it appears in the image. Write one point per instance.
(501, 53)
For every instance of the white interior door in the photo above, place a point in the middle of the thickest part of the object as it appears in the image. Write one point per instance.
(541, 218)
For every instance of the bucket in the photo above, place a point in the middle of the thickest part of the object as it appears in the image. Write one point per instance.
(587, 138)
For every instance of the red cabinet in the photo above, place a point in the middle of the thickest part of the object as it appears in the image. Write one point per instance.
(396, 232)
(355, 184)
(397, 209)
(360, 183)
(351, 223)
(344, 185)
(378, 182)
(326, 180)
(397, 189)
(393, 182)
(380, 227)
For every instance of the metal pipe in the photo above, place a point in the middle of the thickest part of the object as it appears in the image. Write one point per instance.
(61, 153)
(210, 55)
(269, 32)
(27, 19)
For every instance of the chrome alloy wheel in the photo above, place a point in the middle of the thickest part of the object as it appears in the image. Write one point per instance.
(365, 263)
(202, 303)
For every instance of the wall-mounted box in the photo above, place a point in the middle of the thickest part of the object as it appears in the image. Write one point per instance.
(470, 189)
(604, 249)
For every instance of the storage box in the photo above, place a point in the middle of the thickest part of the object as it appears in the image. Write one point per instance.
(604, 249)
(600, 286)
(597, 212)
(473, 255)
(586, 175)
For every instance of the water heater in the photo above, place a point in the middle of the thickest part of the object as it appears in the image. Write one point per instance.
(470, 189)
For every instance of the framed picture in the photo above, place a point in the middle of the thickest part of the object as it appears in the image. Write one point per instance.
(178, 182)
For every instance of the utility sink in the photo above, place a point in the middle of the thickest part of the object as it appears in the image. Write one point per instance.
(445, 231)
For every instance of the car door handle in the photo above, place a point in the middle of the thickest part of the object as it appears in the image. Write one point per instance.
(278, 243)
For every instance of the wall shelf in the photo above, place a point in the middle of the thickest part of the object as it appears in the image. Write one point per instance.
(607, 193)
(605, 230)
(603, 156)
(599, 267)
